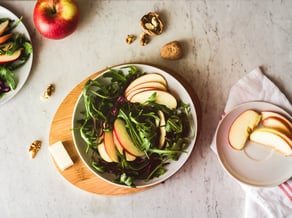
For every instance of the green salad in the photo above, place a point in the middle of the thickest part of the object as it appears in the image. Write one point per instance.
(15, 50)
(132, 140)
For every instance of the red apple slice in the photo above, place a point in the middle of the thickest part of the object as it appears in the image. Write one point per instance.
(279, 124)
(129, 157)
(162, 97)
(110, 146)
(149, 77)
(162, 129)
(5, 37)
(9, 58)
(149, 85)
(102, 152)
(267, 114)
(3, 26)
(125, 140)
(134, 92)
(241, 128)
(272, 138)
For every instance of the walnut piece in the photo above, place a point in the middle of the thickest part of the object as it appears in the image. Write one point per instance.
(130, 39)
(151, 24)
(49, 91)
(144, 39)
(34, 148)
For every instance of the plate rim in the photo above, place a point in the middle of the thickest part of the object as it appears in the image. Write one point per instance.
(195, 121)
(239, 107)
(24, 74)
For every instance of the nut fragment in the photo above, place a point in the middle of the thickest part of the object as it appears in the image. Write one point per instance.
(171, 51)
(151, 24)
(144, 39)
(130, 39)
(34, 148)
(49, 91)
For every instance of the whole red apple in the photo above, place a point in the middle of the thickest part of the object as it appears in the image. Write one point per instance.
(56, 19)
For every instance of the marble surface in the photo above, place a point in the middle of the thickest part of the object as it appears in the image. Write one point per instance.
(222, 41)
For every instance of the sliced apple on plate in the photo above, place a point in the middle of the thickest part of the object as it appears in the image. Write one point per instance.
(125, 140)
(3, 26)
(162, 97)
(102, 152)
(120, 149)
(149, 77)
(162, 129)
(242, 127)
(5, 58)
(110, 146)
(5, 37)
(145, 86)
(272, 138)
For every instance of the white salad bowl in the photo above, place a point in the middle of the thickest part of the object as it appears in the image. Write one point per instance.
(179, 91)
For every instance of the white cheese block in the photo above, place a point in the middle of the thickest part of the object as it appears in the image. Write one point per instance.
(60, 155)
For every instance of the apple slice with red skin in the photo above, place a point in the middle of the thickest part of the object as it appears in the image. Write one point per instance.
(3, 26)
(272, 138)
(267, 114)
(125, 140)
(149, 77)
(102, 152)
(241, 128)
(120, 149)
(110, 146)
(134, 92)
(279, 124)
(5, 37)
(9, 58)
(162, 97)
(148, 85)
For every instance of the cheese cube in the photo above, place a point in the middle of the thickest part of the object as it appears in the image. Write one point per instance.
(60, 155)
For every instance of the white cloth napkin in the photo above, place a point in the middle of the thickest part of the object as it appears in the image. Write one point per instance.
(274, 202)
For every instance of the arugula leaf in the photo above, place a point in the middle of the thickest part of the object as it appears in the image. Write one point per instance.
(8, 76)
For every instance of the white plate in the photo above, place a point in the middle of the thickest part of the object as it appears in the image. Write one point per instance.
(22, 73)
(177, 89)
(255, 165)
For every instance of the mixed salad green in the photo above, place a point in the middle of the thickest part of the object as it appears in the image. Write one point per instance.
(11, 42)
(104, 102)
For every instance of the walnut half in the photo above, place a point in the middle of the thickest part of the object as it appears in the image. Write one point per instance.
(151, 24)
(34, 148)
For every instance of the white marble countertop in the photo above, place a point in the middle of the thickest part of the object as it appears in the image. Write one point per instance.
(222, 41)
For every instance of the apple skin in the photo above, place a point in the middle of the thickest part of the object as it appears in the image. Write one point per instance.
(56, 19)
(272, 138)
(110, 146)
(242, 127)
(279, 124)
(9, 58)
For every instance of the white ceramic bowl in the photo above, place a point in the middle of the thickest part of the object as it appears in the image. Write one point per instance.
(178, 90)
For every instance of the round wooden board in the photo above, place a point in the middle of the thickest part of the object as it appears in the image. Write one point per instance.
(78, 174)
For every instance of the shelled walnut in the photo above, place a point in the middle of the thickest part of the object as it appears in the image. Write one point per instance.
(144, 39)
(130, 39)
(34, 148)
(49, 91)
(151, 24)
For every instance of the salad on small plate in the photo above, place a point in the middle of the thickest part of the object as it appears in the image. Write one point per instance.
(134, 125)
(15, 54)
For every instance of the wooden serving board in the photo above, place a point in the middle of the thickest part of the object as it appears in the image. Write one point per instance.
(78, 174)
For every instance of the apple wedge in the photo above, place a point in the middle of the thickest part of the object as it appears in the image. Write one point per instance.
(267, 114)
(272, 138)
(162, 97)
(5, 37)
(120, 149)
(241, 128)
(110, 146)
(102, 152)
(125, 140)
(9, 58)
(147, 85)
(278, 124)
(149, 77)
(3, 26)
(162, 129)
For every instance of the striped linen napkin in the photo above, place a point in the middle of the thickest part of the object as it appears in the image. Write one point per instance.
(274, 202)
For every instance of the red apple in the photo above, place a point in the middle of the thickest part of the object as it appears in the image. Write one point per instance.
(56, 19)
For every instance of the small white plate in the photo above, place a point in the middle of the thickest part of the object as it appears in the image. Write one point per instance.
(255, 165)
(22, 73)
(178, 90)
